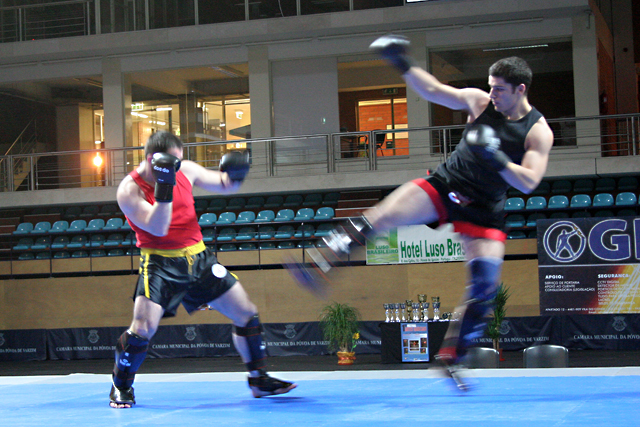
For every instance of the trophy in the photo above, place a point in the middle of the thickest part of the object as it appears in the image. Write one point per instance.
(403, 307)
(436, 307)
(425, 311)
(422, 299)
(410, 315)
(386, 313)
(397, 307)
(415, 309)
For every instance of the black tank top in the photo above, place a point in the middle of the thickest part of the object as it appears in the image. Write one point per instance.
(474, 179)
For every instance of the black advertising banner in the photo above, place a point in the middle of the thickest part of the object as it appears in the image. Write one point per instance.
(192, 341)
(82, 343)
(589, 265)
(518, 333)
(607, 331)
(22, 345)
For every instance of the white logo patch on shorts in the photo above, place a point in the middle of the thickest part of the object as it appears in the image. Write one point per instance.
(218, 270)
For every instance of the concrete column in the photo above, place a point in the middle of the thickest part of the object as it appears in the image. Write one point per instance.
(625, 68)
(261, 108)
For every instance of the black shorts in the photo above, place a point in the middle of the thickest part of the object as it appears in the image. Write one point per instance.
(473, 218)
(191, 276)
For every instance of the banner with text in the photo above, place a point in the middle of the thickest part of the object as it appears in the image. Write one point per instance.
(589, 265)
(22, 345)
(415, 244)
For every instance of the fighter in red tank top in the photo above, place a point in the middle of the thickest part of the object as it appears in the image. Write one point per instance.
(184, 229)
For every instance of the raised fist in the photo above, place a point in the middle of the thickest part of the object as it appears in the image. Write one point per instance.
(483, 143)
(163, 168)
(394, 49)
(235, 164)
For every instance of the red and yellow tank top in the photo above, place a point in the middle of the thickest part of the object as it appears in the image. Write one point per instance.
(184, 229)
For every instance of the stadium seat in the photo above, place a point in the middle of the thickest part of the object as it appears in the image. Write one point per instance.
(559, 215)
(515, 221)
(245, 217)
(533, 234)
(331, 199)
(558, 202)
(267, 245)
(312, 199)
(41, 227)
(59, 227)
(324, 229)
(255, 202)
(628, 183)
(324, 212)
(208, 235)
(266, 232)
(115, 252)
(285, 232)
(217, 205)
(129, 239)
(236, 204)
(227, 247)
(284, 215)
(95, 224)
(581, 214)
(23, 244)
(208, 218)
(305, 244)
(561, 186)
(226, 234)
(304, 214)
(23, 228)
(305, 230)
(79, 254)
(583, 186)
(532, 220)
(603, 200)
(286, 245)
(60, 242)
(536, 202)
(114, 240)
(41, 243)
(26, 256)
(293, 201)
(109, 211)
(77, 242)
(200, 205)
(113, 224)
(605, 185)
(546, 356)
(89, 212)
(626, 199)
(246, 233)
(61, 255)
(97, 253)
(77, 225)
(543, 188)
(514, 204)
(626, 212)
(266, 215)
(96, 241)
(605, 213)
(72, 213)
(226, 218)
(580, 201)
(133, 251)
(273, 202)
(516, 235)
(247, 246)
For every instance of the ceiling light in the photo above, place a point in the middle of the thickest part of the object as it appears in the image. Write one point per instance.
(532, 46)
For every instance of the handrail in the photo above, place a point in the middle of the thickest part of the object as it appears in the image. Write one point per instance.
(19, 136)
(34, 6)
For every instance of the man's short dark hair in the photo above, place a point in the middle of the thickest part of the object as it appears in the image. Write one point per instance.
(514, 71)
(160, 142)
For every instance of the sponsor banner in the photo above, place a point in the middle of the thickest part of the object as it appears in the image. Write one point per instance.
(414, 340)
(82, 343)
(415, 244)
(23, 345)
(610, 332)
(518, 333)
(589, 265)
(192, 341)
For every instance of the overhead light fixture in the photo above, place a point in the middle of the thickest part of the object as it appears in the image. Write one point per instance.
(164, 108)
(97, 160)
(531, 46)
(227, 71)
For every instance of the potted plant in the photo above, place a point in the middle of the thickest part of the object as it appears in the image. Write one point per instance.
(339, 325)
(499, 313)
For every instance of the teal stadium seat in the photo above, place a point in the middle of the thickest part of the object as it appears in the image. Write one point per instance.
(543, 188)
(267, 245)
(324, 212)
(226, 218)
(208, 218)
(41, 243)
(109, 210)
(628, 183)
(77, 242)
(246, 217)
(77, 225)
(72, 213)
(208, 235)
(305, 230)
(266, 232)
(95, 224)
(41, 227)
(603, 200)
(247, 246)
(43, 255)
(96, 241)
(246, 233)
(626, 212)
(312, 199)
(227, 247)
(60, 226)
(89, 212)
(331, 199)
(217, 205)
(285, 232)
(23, 244)
(583, 186)
(286, 245)
(236, 204)
(274, 202)
(284, 215)
(324, 229)
(200, 206)
(61, 255)
(559, 215)
(255, 202)
(60, 242)
(558, 202)
(580, 201)
(514, 204)
(605, 185)
(293, 201)
(626, 199)
(97, 253)
(536, 202)
(80, 254)
(561, 186)
(26, 256)
(114, 240)
(515, 221)
(115, 252)
(226, 234)
(113, 224)
(266, 215)
(516, 235)
(304, 214)
(532, 220)
(23, 228)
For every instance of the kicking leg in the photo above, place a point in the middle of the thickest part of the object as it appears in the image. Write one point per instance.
(247, 338)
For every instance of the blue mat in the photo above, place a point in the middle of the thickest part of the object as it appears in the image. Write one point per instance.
(360, 398)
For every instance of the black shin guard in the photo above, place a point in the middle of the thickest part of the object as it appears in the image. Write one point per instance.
(252, 334)
(131, 350)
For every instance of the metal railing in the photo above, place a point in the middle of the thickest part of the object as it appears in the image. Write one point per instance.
(305, 155)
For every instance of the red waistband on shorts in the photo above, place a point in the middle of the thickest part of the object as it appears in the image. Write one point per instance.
(473, 230)
(435, 198)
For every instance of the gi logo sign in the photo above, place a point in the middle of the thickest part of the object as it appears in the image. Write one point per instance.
(564, 241)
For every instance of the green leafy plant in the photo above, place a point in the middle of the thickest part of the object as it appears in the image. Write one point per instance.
(339, 325)
(499, 313)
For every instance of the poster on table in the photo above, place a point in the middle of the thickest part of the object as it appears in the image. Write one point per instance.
(589, 265)
(415, 244)
(414, 339)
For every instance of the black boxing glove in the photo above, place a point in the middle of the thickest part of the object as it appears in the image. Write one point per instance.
(164, 167)
(235, 164)
(394, 49)
(483, 143)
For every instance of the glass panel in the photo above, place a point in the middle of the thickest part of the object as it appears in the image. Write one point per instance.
(390, 113)
(374, 4)
(310, 7)
(171, 13)
(260, 9)
(214, 11)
